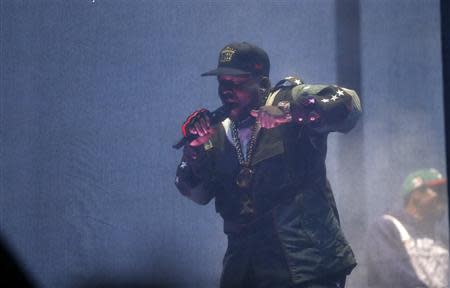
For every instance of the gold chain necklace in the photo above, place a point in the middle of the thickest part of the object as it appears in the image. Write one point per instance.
(244, 178)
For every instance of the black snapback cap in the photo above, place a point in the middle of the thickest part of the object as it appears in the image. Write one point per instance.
(241, 59)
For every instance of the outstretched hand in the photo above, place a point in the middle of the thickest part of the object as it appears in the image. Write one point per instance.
(270, 116)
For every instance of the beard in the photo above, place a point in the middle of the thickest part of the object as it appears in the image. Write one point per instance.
(241, 110)
(432, 215)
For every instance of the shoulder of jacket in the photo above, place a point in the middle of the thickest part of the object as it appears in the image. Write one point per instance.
(298, 86)
(283, 89)
(288, 82)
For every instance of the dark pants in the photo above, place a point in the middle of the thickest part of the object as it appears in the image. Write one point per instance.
(249, 265)
(250, 281)
(254, 261)
(334, 282)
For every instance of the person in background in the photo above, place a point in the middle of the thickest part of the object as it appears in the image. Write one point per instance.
(403, 247)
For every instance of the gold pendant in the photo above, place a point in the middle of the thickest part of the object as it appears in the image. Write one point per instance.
(246, 206)
(244, 178)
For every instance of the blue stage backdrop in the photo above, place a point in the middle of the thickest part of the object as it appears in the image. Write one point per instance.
(93, 94)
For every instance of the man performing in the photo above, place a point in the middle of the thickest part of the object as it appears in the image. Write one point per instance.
(403, 247)
(265, 166)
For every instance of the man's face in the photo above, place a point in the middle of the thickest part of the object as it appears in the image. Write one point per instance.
(241, 91)
(432, 202)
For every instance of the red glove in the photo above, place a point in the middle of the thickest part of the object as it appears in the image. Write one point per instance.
(198, 123)
(191, 120)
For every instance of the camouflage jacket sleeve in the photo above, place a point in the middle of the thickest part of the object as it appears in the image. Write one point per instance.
(193, 174)
(335, 108)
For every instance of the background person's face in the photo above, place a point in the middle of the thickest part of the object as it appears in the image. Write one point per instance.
(432, 203)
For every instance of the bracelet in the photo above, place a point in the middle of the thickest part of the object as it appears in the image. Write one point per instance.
(285, 106)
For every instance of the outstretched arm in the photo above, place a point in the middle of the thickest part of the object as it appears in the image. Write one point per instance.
(325, 108)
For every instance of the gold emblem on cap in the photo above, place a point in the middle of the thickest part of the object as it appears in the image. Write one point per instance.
(417, 182)
(226, 54)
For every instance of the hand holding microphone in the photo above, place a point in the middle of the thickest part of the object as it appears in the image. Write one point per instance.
(199, 126)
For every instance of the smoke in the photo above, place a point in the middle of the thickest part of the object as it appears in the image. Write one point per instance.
(93, 96)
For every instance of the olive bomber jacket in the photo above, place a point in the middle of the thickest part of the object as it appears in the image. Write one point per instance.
(289, 183)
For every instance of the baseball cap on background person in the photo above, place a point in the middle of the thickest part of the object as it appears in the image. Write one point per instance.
(241, 59)
(423, 178)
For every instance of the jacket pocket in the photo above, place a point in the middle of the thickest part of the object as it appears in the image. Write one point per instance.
(320, 222)
(268, 150)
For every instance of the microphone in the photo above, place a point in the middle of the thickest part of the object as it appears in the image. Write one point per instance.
(215, 117)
